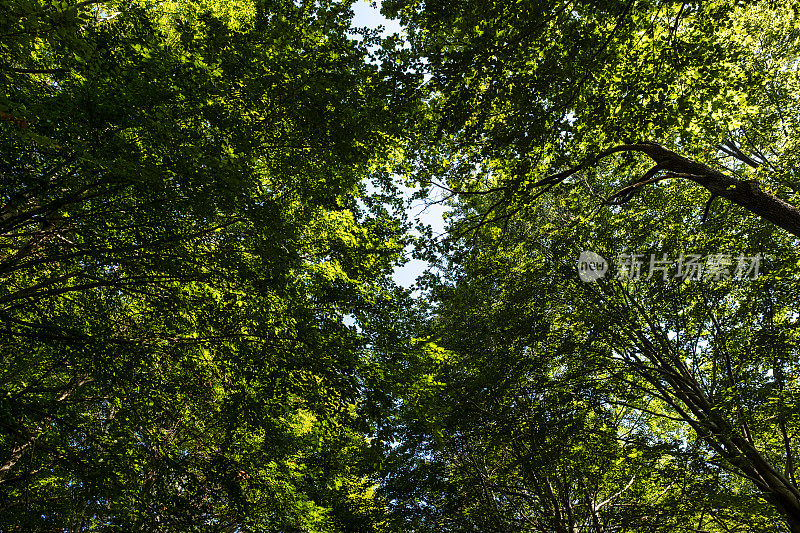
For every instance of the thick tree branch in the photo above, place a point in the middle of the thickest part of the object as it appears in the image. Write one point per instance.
(745, 193)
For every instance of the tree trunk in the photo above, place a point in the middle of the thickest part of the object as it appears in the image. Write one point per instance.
(674, 382)
(745, 193)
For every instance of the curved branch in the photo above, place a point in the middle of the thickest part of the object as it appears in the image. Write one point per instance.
(745, 193)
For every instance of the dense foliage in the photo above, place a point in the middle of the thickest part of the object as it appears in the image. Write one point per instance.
(639, 130)
(198, 226)
(182, 241)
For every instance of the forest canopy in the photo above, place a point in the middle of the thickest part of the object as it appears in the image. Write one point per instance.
(202, 205)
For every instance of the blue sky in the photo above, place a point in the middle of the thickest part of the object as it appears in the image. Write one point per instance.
(366, 15)
(369, 16)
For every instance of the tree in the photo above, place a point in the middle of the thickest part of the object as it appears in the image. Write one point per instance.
(181, 241)
(552, 86)
(546, 371)
(538, 116)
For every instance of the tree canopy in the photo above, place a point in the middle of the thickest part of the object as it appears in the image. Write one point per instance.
(638, 130)
(185, 227)
(200, 217)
